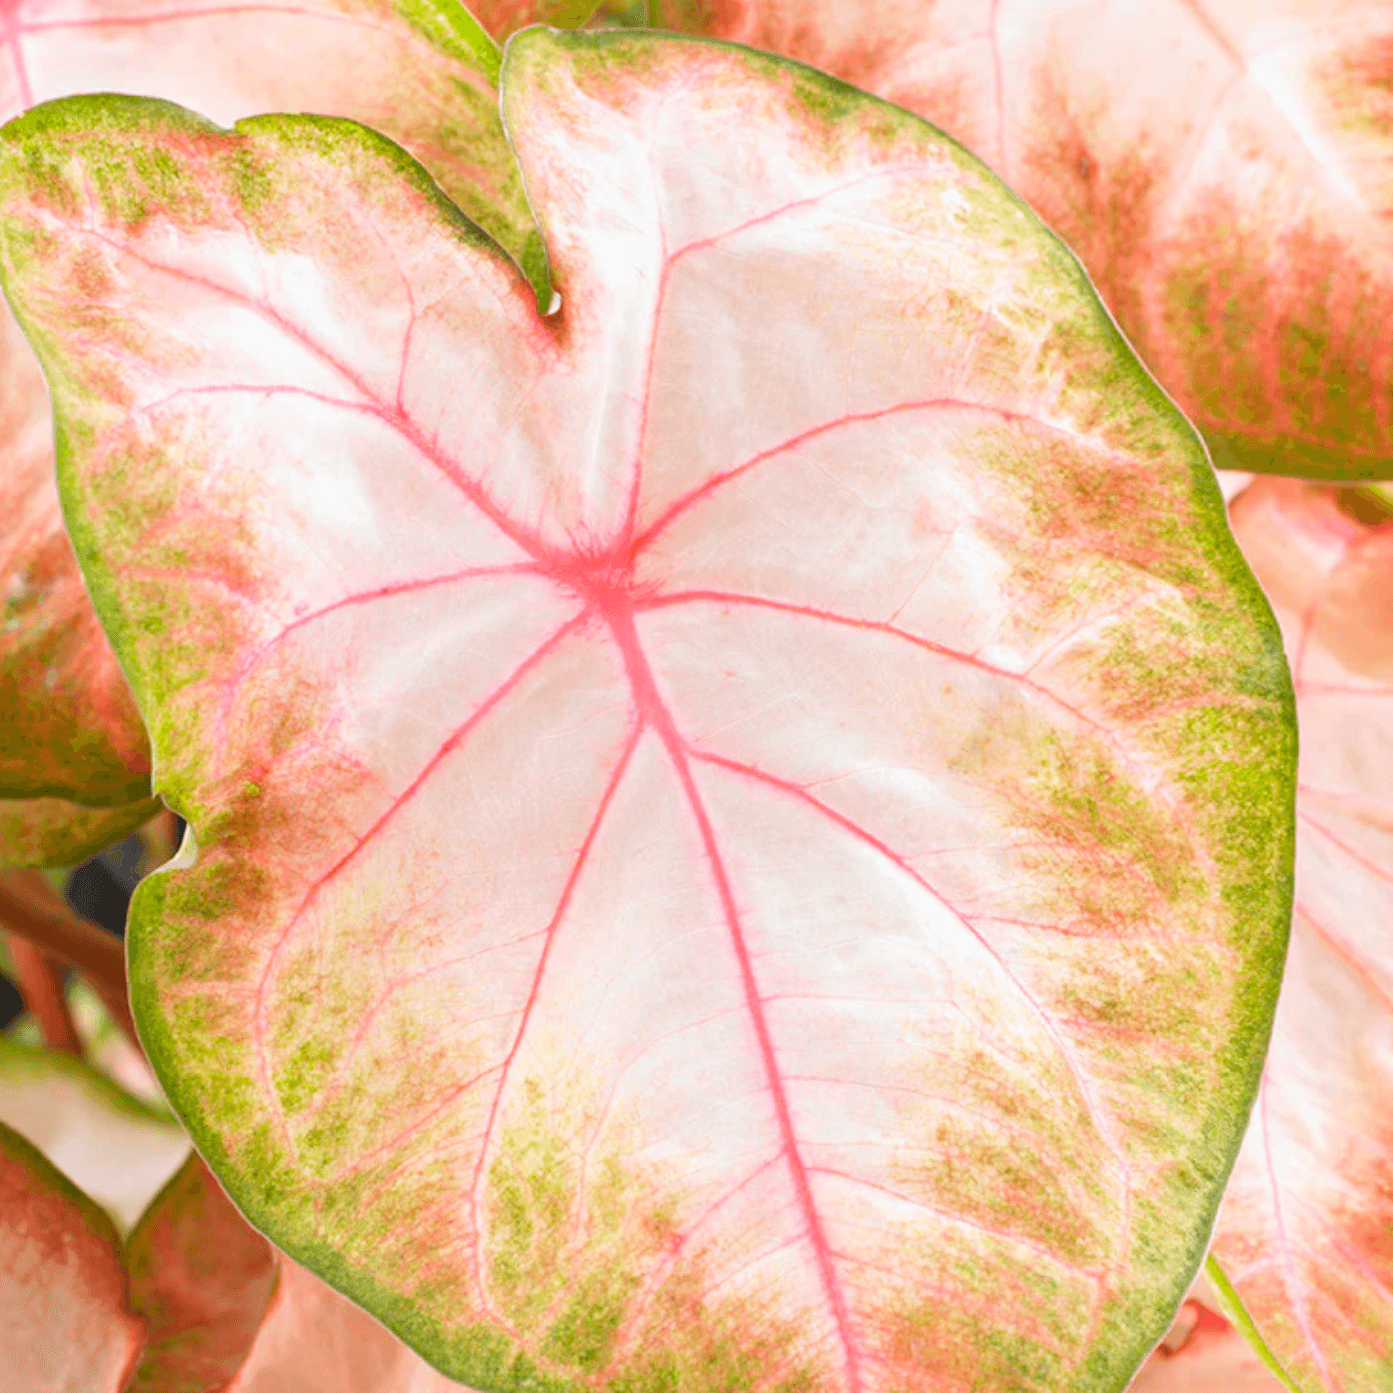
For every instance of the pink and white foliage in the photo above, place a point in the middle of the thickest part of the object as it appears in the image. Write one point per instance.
(423, 72)
(1224, 168)
(64, 1323)
(1306, 1231)
(739, 830)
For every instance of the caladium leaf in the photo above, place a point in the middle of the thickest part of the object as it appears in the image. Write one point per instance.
(113, 1147)
(740, 831)
(1306, 1232)
(64, 1327)
(1221, 168)
(201, 1280)
(421, 70)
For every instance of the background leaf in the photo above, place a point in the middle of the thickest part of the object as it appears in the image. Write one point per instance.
(63, 1323)
(201, 1279)
(314, 1341)
(1221, 167)
(54, 832)
(1203, 1353)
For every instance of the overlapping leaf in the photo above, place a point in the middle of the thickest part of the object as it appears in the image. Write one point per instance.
(504, 17)
(177, 1312)
(1306, 1232)
(198, 1302)
(1223, 167)
(739, 832)
(201, 1281)
(423, 71)
(64, 1326)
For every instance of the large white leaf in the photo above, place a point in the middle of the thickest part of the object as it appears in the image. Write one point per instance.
(739, 832)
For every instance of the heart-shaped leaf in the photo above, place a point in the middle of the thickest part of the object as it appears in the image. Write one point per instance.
(1222, 169)
(1306, 1232)
(114, 1148)
(64, 1326)
(421, 70)
(740, 832)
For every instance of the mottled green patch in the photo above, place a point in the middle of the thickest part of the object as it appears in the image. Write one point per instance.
(1014, 1154)
(588, 1261)
(829, 102)
(1290, 392)
(302, 1072)
(565, 1275)
(1109, 856)
(251, 178)
(957, 1333)
(354, 1068)
(62, 154)
(454, 32)
(41, 174)
(214, 892)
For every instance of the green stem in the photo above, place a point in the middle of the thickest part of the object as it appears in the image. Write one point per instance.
(1237, 1313)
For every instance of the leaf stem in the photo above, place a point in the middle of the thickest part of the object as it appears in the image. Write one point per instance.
(41, 985)
(32, 910)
